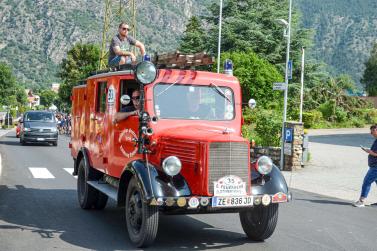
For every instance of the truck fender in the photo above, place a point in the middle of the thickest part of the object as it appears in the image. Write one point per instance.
(273, 183)
(83, 154)
(159, 185)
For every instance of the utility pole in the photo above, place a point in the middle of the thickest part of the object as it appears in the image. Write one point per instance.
(105, 31)
(302, 82)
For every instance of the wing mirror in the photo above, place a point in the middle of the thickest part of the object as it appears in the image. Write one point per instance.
(125, 99)
(252, 103)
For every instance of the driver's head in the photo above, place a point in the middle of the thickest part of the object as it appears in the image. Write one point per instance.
(136, 99)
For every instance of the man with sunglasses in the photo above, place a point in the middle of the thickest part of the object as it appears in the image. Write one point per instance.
(129, 111)
(120, 52)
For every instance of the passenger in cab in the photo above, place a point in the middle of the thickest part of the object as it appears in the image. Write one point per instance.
(120, 52)
(129, 111)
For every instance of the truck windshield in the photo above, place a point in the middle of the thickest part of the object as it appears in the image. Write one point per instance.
(193, 102)
(39, 116)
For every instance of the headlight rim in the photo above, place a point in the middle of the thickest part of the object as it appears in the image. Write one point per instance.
(263, 171)
(166, 170)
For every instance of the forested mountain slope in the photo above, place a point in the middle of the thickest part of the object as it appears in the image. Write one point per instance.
(345, 31)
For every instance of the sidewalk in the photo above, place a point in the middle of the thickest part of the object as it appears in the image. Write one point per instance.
(4, 131)
(337, 166)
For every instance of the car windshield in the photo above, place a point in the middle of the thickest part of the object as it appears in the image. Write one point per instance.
(175, 101)
(39, 116)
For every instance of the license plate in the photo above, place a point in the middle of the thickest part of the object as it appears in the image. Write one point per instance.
(40, 139)
(241, 201)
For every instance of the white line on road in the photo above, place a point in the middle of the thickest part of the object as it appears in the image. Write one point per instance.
(41, 173)
(70, 171)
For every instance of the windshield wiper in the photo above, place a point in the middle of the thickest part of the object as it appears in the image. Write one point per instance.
(219, 91)
(167, 88)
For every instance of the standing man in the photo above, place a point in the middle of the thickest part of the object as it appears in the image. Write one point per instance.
(371, 175)
(119, 52)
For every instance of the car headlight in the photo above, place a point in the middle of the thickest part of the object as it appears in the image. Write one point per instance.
(264, 165)
(171, 165)
(26, 129)
(54, 130)
(145, 72)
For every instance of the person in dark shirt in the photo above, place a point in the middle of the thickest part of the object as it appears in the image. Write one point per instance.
(371, 175)
(119, 52)
(129, 111)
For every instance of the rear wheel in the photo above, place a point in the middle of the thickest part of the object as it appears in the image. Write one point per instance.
(259, 223)
(141, 218)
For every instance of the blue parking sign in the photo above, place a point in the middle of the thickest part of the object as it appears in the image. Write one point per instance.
(288, 135)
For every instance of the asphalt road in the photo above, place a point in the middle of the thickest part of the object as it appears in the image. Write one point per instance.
(43, 214)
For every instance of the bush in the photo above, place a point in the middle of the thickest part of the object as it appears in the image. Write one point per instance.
(311, 118)
(340, 114)
(268, 128)
(328, 110)
(358, 123)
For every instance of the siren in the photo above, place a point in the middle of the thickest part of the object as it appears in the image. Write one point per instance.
(228, 67)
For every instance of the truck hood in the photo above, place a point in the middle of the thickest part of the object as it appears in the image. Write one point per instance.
(201, 133)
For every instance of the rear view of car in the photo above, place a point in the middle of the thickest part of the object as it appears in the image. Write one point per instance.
(39, 126)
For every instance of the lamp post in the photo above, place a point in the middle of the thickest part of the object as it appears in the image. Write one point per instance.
(302, 82)
(287, 34)
(219, 44)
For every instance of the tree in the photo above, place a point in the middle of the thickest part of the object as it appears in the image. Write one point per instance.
(251, 25)
(11, 93)
(256, 76)
(48, 97)
(369, 79)
(80, 61)
(193, 39)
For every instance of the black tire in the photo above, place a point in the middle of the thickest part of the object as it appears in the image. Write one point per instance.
(22, 142)
(259, 223)
(141, 218)
(101, 201)
(87, 195)
(55, 143)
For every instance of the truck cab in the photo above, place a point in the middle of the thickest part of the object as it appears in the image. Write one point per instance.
(182, 152)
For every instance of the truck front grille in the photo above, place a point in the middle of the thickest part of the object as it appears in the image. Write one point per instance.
(228, 158)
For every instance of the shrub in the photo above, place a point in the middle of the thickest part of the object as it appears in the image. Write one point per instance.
(268, 128)
(340, 114)
(328, 110)
(311, 118)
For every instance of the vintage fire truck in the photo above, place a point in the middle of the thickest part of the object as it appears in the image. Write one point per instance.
(182, 152)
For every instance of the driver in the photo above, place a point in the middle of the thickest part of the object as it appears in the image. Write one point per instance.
(129, 111)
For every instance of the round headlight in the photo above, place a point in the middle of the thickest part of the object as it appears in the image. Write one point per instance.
(172, 165)
(146, 72)
(264, 165)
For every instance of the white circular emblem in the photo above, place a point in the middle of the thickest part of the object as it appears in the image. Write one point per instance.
(193, 202)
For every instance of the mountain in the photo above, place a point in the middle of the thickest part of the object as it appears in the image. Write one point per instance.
(36, 34)
(345, 31)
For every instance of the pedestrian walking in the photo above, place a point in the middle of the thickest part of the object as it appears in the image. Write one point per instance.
(371, 175)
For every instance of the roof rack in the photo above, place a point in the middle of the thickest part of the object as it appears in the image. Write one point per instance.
(175, 60)
(179, 60)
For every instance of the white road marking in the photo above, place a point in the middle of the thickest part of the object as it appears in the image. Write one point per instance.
(70, 171)
(41, 173)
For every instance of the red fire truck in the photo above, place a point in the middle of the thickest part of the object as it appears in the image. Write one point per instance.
(182, 152)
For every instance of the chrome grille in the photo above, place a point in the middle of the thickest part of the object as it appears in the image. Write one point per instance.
(227, 158)
(185, 154)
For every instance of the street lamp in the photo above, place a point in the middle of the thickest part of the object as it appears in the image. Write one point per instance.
(287, 34)
(219, 44)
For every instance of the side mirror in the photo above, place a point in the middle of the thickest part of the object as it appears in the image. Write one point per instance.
(252, 103)
(125, 99)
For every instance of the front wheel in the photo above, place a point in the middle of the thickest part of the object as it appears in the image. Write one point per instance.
(141, 218)
(259, 223)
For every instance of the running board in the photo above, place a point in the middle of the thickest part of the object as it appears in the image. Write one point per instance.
(105, 188)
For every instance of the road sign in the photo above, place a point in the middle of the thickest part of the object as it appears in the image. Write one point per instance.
(288, 148)
(290, 66)
(288, 135)
(279, 86)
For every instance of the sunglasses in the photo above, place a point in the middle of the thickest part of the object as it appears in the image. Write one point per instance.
(125, 29)
(136, 98)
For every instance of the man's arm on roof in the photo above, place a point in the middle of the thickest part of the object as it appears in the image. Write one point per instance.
(140, 45)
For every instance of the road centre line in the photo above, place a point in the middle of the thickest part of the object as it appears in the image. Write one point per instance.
(41, 173)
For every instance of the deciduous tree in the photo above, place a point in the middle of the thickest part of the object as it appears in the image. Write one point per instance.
(369, 79)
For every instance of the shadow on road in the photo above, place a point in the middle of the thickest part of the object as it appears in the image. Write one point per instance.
(355, 140)
(55, 214)
(326, 201)
(16, 143)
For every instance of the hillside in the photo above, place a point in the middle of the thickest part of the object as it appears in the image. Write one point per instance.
(36, 34)
(345, 32)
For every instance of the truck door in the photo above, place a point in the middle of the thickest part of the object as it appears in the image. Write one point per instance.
(125, 132)
(97, 123)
